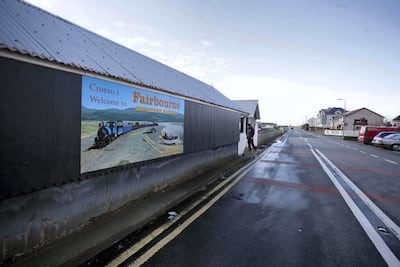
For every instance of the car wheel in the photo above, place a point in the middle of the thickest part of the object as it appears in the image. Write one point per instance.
(396, 147)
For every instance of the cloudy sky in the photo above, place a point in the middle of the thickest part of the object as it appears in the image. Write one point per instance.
(295, 57)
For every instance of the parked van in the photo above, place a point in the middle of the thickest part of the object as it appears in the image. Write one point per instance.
(368, 132)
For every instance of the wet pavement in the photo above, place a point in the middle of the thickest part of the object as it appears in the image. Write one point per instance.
(284, 211)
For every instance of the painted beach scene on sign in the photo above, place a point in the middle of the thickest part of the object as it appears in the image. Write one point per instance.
(122, 124)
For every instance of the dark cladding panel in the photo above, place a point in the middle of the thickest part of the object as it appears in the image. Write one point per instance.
(27, 92)
(208, 127)
(67, 106)
(39, 117)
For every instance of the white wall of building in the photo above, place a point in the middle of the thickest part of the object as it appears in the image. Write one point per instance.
(242, 143)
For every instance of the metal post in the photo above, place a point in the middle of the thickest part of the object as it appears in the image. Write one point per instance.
(344, 116)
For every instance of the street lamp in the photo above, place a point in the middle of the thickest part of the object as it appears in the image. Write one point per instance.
(344, 112)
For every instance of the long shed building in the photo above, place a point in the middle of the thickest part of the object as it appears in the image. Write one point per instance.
(89, 125)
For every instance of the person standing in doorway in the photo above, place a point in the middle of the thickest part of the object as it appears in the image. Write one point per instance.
(250, 135)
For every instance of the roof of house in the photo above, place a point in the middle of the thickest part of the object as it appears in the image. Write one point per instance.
(31, 31)
(397, 118)
(330, 111)
(250, 106)
(357, 110)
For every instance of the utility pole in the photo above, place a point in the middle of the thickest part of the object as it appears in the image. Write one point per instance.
(344, 115)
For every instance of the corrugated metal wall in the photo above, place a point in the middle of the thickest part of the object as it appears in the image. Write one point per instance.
(41, 120)
(40, 132)
(209, 127)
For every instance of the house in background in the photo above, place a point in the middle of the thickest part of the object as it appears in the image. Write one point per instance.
(312, 122)
(396, 121)
(250, 107)
(325, 117)
(353, 120)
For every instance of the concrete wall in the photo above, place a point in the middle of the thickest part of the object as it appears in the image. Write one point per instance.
(29, 222)
(264, 136)
(340, 133)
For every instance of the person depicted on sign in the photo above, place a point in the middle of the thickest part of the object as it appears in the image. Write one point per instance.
(250, 135)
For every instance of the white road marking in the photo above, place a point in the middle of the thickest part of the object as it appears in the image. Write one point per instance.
(375, 156)
(306, 140)
(377, 240)
(363, 152)
(393, 162)
(355, 149)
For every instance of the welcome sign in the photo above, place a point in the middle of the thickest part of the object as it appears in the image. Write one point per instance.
(123, 124)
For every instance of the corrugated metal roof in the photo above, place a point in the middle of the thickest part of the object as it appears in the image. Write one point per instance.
(32, 31)
(250, 106)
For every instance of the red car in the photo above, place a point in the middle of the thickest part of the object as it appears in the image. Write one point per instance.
(367, 133)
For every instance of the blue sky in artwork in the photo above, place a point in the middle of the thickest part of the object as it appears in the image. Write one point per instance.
(102, 95)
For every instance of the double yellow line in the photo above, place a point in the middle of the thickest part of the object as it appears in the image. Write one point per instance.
(234, 179)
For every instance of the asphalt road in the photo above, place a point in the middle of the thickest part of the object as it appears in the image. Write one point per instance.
(295, 207)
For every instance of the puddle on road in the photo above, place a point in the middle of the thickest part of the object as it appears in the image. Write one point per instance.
(277, 196)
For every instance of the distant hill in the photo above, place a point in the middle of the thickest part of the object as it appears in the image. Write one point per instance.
(128, 114)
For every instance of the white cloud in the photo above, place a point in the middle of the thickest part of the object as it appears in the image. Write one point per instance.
(44, 4)
(119, 24)
(280, 100)
(206, 43)
(291, 102)
(104, 33)
(197, 61)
